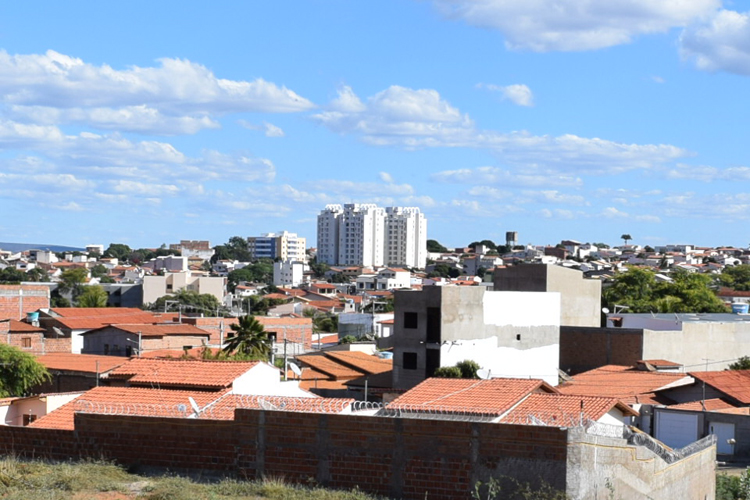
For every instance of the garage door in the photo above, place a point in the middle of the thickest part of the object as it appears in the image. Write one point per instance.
(676, 429)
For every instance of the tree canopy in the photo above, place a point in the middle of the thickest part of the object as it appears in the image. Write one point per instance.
(736, 277)
(257, 272)
(236, 248)
(641, 292)
(626, 237)
(73, 281)
(743, 363)
(200, 302)
(249, 339)
(19, 372)
(463, 369)
(93, 296)
(119, 251)
(436, 247)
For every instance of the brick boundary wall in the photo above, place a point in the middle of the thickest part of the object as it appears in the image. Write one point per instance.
(397, 457)
(585, 348)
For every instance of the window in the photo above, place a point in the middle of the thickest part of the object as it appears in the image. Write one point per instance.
(411, 320)
(410, 360)
(26, 342)
(106, 348)
(28, 418)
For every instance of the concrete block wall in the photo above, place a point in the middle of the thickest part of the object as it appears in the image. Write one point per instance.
(586, 348)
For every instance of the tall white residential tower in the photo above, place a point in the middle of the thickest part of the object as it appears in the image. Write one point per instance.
(366, 235)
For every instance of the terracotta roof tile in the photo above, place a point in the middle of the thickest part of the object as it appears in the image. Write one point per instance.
(621, 382)
(86, 363)
(328, 366)
(733, 383)
(494, 396)
(21, 327)
(134, 400)
(210, 375)
(564, 409)
(361, 361)
(223, 409)
(156, 330)
(710, 405)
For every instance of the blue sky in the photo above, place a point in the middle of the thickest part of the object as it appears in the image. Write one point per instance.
(150, 122)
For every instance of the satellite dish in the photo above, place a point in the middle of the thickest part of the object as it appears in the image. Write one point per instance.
(295, 369)
(605, 310)
(58, 331)
(196, 409)
(484, 374)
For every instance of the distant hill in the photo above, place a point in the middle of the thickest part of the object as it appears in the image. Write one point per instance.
(20, 247)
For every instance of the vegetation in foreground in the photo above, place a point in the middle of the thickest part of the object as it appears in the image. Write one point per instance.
(35, 480)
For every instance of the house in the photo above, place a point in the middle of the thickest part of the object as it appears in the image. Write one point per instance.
(27, 410)
(509, 400)
(155, 287)
(327, 373)
(511, 334)
(385, 279)
(135, 339)
(75, 372)
(72, 322)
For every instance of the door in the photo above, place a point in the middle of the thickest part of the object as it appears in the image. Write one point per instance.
(724, 437)
(676, 429)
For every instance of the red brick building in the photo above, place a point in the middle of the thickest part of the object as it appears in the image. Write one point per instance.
(17, 300)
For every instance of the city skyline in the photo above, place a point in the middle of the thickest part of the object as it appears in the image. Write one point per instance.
(151, 123)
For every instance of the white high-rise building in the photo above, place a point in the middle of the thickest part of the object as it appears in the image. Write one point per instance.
(366, 235)
(405, 237)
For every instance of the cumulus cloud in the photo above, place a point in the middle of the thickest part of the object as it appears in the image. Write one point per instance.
(722, 44)
(175, 97)
(268, 129)
(496, 175)
(518, 94)
(408, 118)
(573, 25)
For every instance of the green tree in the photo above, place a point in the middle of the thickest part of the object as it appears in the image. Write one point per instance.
(19, 372)
(12, 275)
(72, 281)
(436, 247)
(736, 277)
(249, 339)
(93, 296)
(626, 237)
(37, 274)
(319, 269)
(190, 300)
(741, 364)
(119, 251)
(469, 368)
(447, 372)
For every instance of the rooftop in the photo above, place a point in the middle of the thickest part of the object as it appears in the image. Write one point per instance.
(177, 373)
(86, 363)
(733, 383)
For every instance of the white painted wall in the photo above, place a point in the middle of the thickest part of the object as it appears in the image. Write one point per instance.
(522, 308)
(538, 362)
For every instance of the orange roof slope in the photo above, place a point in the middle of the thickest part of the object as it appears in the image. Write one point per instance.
(328, 366)
(90, 312)
(710, 405)
(622, 382)
(88, 318)
(87, 363)
(733, 383)
(208, 375)
(563, 409)
(133, 400)
(223, 409)
(495, 396)
(159, 330)
(21, 327)
(361, 361)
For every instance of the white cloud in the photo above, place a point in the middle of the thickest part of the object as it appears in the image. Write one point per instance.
(386, 177)
(495, 175)
(518, 94)
(410, 118)
(704, 173)
(722, 44)
(558, 213)
(571, 25)
(272, 130)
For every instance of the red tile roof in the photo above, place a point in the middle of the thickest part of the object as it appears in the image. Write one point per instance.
(21, 327)
(733, 383)
(90, 312)
(710, 405)
(130, 400)
(563, 409)
(89, 318)
(361, 361)
(87, 363)
(494, 396)
(330, 367)
(156, 330)
(208, 375)
(622, 382)
(223, 409)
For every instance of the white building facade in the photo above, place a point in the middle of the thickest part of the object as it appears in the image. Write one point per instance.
(366, 235)
(283, 245)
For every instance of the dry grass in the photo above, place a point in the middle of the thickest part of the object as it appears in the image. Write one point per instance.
(40, 480)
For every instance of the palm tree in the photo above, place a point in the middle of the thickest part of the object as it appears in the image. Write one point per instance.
(250, 339)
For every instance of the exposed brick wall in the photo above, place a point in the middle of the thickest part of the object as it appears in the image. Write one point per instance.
(297, 330)
(405, 458)
(34, 342)
(17, 300)
(586, 348)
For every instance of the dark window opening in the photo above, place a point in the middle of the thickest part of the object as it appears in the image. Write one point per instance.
(28, 418)
(410, 360)
(518, 337)
(433, 324)
(26, 342)
(432, 362)
(411, 320)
